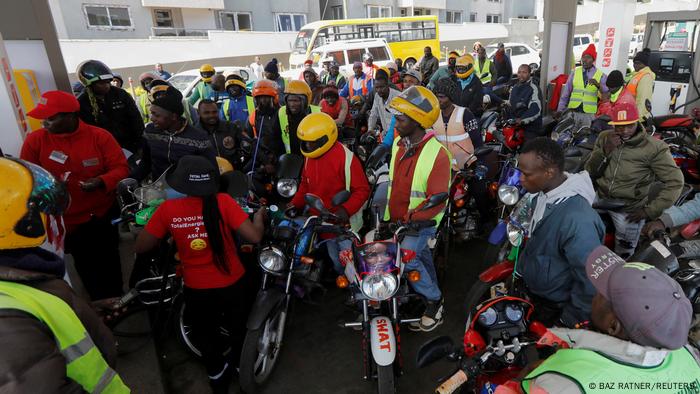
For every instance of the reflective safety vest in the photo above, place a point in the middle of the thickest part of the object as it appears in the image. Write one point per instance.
(144, 106)
(584, 95)
(84, 362)
(485, 75)
(356, 219)
(351, 88)
(327, 76)
(455, 138)
(250, 106)
(632, 84)
(419, 183)
(616, 95)
(284, 124)
(591, 370)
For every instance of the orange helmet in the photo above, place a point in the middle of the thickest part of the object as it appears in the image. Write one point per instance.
(624, 112)
(300, 88)
(265, 87)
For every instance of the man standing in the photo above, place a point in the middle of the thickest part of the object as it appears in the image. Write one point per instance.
(160, 72)
(203, 88)
(333, 76)
(369, 68)
(264, 123)
(272, 73)
(470, 94)
(641, 85)
(624, 164)
(297, 106)
(109, 107)
(419, 168)
(485, 69)
(91, 162)
(218, 90)
(428, 65)
(311, 79)
(257, 68)
(239, 104)
(581, 90)
(383, 95)
(143, 102)
(504, 69)
(225, 136)
(526, 104)
(444, 71)
(359, 85)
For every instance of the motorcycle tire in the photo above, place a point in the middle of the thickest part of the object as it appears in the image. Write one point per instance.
(250, 380)
(385, 379)
(185, 331)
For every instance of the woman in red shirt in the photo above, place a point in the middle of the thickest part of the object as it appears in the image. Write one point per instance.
(202, 226)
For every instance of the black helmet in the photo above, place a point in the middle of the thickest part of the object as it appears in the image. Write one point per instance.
(91, 71)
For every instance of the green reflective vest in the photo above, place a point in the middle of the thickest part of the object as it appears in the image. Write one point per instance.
(419, 183)
(483, 73)
(586, 95)
(250, 104)
(327, 76)
(616, 95)
(595, 372)
(84, 362)
(144, 106)
(284, 124)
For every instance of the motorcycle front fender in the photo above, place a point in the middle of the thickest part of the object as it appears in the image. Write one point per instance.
(498, 234)
(383, 341)
(265, 302)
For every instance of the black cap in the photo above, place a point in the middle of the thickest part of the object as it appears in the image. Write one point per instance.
(194, 176)
(643, 56)
(171, 101)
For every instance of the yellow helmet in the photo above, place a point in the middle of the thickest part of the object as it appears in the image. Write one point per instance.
(419, 104)
(207, 71)
(317, 133)
(464, 61)
(224, 165)
(27, 194)
(382, 69)
(298, 87)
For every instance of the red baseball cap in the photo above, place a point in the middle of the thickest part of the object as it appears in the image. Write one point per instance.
(54, 102)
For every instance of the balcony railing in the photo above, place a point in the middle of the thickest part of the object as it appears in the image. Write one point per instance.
(202, 4)
(178, 32)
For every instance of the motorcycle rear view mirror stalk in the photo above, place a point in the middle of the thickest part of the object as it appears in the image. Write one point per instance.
(316, 203)
(432, 201)
(434, 350)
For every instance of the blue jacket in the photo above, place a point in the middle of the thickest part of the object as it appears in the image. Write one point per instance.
(357, 88)
(238, 110)
(528, 96)
(683, 214)
(553, 262)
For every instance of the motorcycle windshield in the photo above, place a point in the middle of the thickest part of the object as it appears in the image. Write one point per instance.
(290, 166)
(510, 177)
(376, 257)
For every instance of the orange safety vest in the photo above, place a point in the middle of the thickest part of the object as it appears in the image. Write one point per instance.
(352, 88)
(632, 84)
(251, 120)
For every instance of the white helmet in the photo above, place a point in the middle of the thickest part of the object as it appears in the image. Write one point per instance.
(487, 99)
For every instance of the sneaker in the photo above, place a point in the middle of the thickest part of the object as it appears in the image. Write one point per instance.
(432, 317)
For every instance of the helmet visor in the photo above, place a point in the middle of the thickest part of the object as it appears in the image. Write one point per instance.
(312, 146)
(415, 98)
(48, 195)
(207, 74)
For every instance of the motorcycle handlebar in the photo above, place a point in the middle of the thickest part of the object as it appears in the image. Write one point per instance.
(453, 383)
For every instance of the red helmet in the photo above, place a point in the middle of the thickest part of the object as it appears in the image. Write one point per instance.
(624, 112)
(265, 87)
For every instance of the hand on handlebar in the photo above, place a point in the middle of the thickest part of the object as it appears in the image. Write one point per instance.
(342, 215)
(291, 211)
(653, 227)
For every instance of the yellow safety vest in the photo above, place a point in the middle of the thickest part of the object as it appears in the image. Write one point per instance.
(249, 104)
(419, 184)
(284, 124)
(84, 362)
(586, 95)
(144, 106)
(593, 372)
(484, 76)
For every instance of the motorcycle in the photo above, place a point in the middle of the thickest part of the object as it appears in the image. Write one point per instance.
(280, 187)
(289, 270)
(375, 272)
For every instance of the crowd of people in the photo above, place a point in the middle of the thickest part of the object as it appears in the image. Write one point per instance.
(428, 116)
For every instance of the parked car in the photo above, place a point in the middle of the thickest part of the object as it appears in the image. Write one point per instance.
(636, 44)
(346, 53)
(185, 81)
(518, 54)
(581, 42)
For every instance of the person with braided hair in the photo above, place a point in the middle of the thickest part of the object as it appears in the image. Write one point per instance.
(107, 106)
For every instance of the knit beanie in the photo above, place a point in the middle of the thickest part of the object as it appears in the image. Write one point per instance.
(447, 87)
(271, 67)
(171, 101)
(643, 56)
(591, 51)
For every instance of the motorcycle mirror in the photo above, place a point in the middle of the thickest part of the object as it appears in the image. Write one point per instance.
(647, 105)
(483, 150)
(290, 166)
(434, 200)
(376, 156)
(315, 202)
(340, 198)
(127, 185)
(573, 152)
(434, 350)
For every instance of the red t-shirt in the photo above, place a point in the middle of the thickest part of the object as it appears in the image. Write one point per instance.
(182, 218)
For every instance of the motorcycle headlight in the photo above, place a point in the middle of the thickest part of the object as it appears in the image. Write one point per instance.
(515, 234)
(508, 195)
(287, 187)
(379, 286)
(272, 260)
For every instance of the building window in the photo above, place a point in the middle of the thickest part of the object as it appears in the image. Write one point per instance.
(493, 18)
(290, 22)
(454, 17)
(164, 18)
(494, 1)
(112, 17)
(337, 12)
(378, 11)
(472, 17)
(403, 11)
(241, 21)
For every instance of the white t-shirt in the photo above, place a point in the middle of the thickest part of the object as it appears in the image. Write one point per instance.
(257, 69)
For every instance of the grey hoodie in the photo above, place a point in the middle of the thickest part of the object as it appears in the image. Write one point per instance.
(575, 184)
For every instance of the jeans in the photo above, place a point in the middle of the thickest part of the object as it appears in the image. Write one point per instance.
(334, 247)
(427, 286)
(626, 233)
